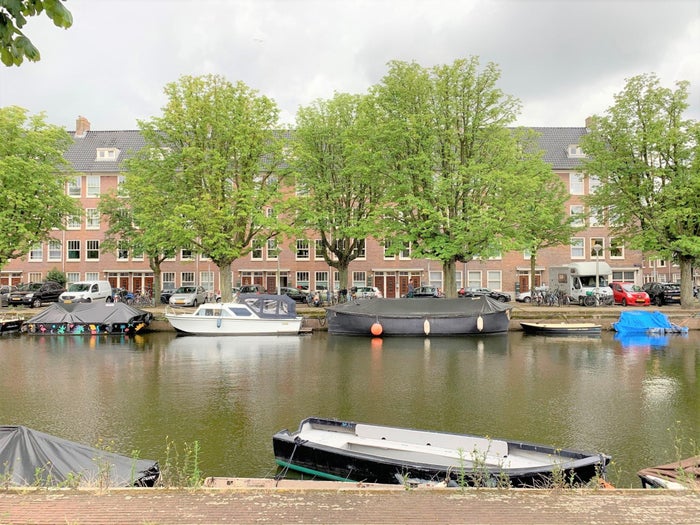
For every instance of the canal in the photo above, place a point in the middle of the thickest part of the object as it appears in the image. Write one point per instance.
(636, 400)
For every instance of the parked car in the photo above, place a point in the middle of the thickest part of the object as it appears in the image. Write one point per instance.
(428, 291)
(35, 294)
(526, 297)
(252, 288)
(366, 292)
(298, 295)
(663, 293)
(629, 294)
(87, 292)
(476, 292)
(5, 291)
(166, 294)
(188, 296)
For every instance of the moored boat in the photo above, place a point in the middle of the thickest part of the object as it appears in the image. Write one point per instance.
(561, 328)
(419, 317)
(253, 314)
(641, 322)
(680, 475)
(10, 324)
(98, 318)
(349, 451)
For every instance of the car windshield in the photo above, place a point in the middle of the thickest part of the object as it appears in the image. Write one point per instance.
(28, 287)
(631, 288)
(185, 289)
(79, 287)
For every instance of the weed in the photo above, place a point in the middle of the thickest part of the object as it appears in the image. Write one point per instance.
(181, 469)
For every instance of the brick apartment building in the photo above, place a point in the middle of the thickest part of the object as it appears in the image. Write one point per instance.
(96, 157)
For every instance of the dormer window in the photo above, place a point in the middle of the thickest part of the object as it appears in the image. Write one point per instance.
(107, 154)
(574, 151)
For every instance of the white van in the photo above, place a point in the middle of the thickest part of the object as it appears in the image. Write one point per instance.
(87, 292)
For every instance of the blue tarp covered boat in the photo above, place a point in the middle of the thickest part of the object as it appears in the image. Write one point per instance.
(640, 322)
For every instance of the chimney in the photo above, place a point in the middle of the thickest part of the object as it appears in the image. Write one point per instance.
(82, 126)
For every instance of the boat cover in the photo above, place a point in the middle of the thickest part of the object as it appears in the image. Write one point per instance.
(685, 472)
(637, 321)
(421, 307)
(270, 306)
(32, 458)
(90, 313)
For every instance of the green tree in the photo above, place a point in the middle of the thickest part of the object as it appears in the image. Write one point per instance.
(454, 167)
(645, 155)
(215, 152)
(339, 194)
(32, 181)
(14, 44)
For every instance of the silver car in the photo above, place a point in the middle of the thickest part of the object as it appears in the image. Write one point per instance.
(188, 296)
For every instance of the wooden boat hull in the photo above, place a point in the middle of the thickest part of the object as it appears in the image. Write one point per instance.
(348, 451)
(419, 317)
(681, 475)
(561, 328)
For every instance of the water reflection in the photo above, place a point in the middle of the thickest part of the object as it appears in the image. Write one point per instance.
(233, 393)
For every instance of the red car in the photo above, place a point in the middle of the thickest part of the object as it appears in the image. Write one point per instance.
(629, 294)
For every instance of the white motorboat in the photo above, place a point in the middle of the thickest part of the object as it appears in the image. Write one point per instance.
(253, 314)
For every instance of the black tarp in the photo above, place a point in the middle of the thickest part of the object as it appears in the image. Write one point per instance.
(421, 307)
(32, 458)
(98, 317)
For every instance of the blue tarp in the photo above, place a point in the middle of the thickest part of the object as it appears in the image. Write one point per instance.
(640, 322)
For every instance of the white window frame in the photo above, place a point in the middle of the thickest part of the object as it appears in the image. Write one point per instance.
(92, 186)
(303, 249)
(92, 219)
(576, 183)
(92, 250)
(54, 250)
(494, 279)
(36, 254)
(73, 246)
(578, 248)
(74, 187)
(74, 222)
(577, 210)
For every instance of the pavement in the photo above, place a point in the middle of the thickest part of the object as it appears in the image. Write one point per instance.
(260, 501)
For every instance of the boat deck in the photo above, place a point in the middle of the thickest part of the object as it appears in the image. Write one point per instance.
(446, 450)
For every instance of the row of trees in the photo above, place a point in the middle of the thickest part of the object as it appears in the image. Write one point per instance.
(426, 159)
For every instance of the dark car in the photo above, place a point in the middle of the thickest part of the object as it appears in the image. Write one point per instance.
(428, 291)
(477, 292)
(298, 295)
(35, 294)
(252, 288)
(165, 295)
(663, 293)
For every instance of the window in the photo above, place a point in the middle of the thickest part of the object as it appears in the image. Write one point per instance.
(186, 255)
(74, 187)
(92, 276)
(121, 179)
(302, 249)
(576, 212)
(73, 251)
(272, 249)
(122, 251)
(405, 252)
(137, 254)
(72, 277)
(168, 280)
(92, 250)
(593, 184)
(600, 242)
(74, 222)
(93, 186)
(303, 279)
(387, 249)
(494, 279)
(54, 250)
(361, 249)
(321, 280)
(577, 248)
(36, 253)
(595, 218)
(474, 279)
(256, 253)
(92, 219)
(187, 279)
(318, 250)
(574, 151)
(617, 249)
(359, 278)
(575, 184)
(107, 154)
(458, 280)
(206, 279)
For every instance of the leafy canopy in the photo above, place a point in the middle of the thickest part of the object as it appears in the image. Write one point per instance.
(15, 46)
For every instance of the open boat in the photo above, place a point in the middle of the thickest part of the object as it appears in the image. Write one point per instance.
(419, 317)
(95, 318)
(10, 324)
(253, 314)
(681, 475)
(348, 451)
(561, 328)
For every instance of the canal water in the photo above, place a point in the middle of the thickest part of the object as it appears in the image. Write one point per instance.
(637, 400)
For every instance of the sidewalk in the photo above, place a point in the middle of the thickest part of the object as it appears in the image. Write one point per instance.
(349, 504)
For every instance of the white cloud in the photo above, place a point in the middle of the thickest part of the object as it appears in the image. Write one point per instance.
(564, 59)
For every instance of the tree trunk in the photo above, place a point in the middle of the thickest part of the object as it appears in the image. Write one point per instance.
(686, 264)
(225, 281)
(155, 266)
(448, 276)
(533, 265)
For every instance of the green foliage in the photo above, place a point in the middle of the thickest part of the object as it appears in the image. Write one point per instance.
(453, 166)
(207, 177)
(32, 181)
(57, 276)
(339, 194)
(181, 467)
(15, 46)
(645, 155)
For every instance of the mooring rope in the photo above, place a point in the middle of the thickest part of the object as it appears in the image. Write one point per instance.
(280, 475)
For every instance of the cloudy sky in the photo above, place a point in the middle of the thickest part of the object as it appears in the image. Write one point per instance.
(564, 59)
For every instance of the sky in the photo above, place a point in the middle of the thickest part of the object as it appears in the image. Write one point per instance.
(563, 59)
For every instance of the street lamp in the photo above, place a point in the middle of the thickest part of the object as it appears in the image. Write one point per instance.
(597, 247)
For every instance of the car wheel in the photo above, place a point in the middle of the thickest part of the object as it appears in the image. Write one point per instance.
(527, 300)
(36, 303)
(624, 302)
(501, 299)
(659, 301)
(194, 303)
